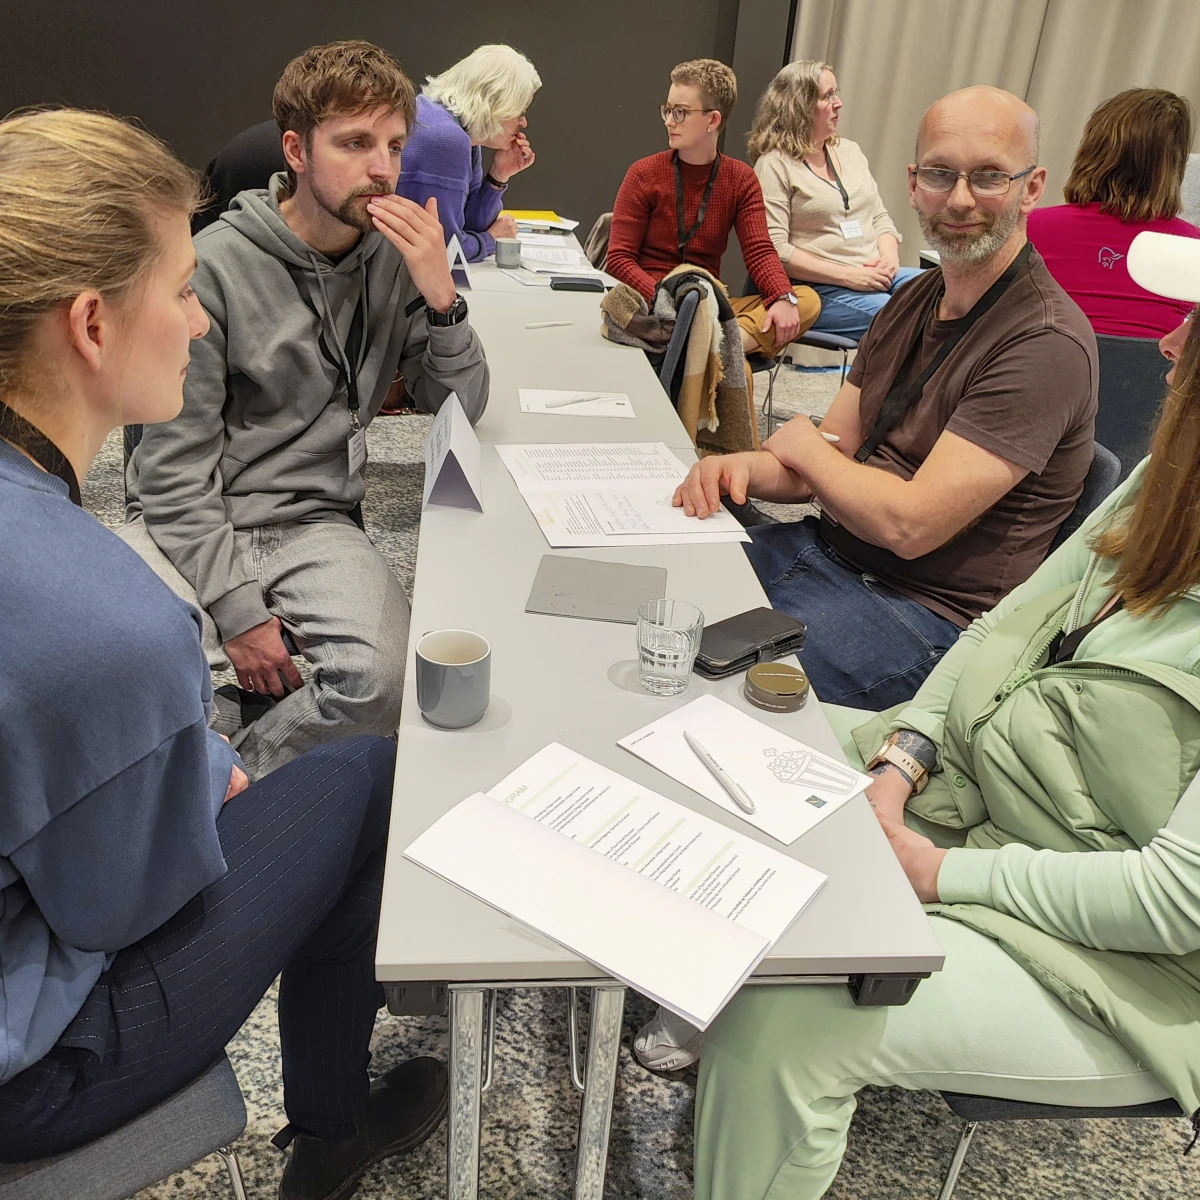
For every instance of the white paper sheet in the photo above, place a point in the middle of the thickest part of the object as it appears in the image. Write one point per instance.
(793, 786)
(628, 504)
(566, 256)
(723, 871)
(562, 223)
(594, 907)
(550, 401)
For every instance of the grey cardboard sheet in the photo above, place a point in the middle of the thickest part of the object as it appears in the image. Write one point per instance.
(594, 590)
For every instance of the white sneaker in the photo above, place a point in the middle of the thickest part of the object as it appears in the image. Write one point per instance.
(667, 1043)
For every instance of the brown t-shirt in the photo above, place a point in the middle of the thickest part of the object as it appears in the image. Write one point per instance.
(1022, 384)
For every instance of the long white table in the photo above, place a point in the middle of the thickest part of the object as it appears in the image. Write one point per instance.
(575, 681)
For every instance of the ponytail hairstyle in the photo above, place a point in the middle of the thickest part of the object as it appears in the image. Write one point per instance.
(82, 195)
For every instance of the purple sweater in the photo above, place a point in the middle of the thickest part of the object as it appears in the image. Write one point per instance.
(439, 160)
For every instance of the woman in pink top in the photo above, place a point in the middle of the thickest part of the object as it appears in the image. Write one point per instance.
(1125, 179)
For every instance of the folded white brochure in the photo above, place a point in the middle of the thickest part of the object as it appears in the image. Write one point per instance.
(792, 786)
(610, 494)
(673, 904)
(582, 403)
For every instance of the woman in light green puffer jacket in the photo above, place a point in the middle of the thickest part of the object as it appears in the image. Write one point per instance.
(1065, 722)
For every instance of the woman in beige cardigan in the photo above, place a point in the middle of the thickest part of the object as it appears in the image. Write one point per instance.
(824, 213)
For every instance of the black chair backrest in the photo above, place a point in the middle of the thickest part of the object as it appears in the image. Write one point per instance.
(670, 371)
(248, 161)
(1103, 475)
(1131, 390)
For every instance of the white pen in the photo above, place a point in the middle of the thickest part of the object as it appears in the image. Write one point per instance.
(547, 324)
(575, 400)
(736, 792)
(831, 437)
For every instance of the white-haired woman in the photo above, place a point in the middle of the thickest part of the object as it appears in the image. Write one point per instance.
(824, 212)
(479, 101)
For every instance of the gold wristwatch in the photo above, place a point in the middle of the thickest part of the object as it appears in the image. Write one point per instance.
(891, 753)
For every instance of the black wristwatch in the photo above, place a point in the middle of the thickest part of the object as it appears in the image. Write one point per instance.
(494, 182)
(454, 315)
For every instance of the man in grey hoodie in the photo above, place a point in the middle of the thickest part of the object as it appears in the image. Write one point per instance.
(319, 289)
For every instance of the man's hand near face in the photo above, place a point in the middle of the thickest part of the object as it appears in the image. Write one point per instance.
(417, 234)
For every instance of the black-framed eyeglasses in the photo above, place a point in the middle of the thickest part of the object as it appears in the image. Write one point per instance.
(981, 182)
(678, 113)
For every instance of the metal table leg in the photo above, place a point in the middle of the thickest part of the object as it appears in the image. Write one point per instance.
(595, 1113)
(466, 1080)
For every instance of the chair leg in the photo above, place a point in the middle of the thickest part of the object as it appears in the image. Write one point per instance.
(235, 1172)
(769, 402)
(960, 1154)
(845, 364)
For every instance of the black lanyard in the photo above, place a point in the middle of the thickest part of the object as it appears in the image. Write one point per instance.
(18, 432)
(685, 235)
(902, 396)
(837, 179)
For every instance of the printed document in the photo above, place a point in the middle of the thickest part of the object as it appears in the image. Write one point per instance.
(622, 876)
(792, 786)
(610, 494)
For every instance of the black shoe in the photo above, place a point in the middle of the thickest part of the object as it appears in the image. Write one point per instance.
(407, 1104)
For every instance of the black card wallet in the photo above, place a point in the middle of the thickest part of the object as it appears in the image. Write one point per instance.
(737, 643)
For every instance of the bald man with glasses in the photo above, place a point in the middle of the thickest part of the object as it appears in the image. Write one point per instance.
(965, 428)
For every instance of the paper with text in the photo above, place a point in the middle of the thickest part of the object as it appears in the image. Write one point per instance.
(452, 467)
(629, 503)
(622, 876)
(793, 786)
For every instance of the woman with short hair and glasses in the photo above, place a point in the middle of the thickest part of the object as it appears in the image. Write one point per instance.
(1126, 179)
(477, 103)
(824, 212)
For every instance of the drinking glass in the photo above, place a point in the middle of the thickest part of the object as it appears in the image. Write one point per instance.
(668, 636)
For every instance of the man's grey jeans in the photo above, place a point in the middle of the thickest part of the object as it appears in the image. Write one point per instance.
(348, 613)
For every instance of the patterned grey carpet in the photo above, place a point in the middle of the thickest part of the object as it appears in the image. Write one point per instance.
(899, 1144)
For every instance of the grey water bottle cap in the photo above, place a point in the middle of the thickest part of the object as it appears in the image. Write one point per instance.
(776, 687)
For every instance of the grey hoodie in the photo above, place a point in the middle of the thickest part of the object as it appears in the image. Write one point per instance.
(262, 435)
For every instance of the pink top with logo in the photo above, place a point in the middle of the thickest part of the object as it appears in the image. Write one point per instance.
(1085, 251)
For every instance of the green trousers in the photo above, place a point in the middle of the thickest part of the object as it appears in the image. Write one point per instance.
(781, 1065)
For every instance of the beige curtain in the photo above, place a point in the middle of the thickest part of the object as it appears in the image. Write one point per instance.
(894, 58)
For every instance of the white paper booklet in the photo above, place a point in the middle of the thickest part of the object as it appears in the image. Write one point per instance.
(792, 786)
(673, 904)
(583, 403)
(610, 494)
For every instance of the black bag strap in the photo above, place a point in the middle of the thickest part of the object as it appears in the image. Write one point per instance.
(18, 432)
(685, 235)
(901, 397)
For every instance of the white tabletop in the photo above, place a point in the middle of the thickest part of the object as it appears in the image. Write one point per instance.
(574, 681)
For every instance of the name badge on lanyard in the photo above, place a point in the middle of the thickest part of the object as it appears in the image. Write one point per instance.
(851, 229)
(356, 446)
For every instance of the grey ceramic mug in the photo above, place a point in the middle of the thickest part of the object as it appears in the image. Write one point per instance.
(508, 253)
(454, 677)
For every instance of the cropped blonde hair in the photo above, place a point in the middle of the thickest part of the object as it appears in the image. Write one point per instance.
(82, 196)
(716, 81)
(492, 84)
(783, 120)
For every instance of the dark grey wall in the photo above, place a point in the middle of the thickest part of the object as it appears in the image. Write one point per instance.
(198, 72)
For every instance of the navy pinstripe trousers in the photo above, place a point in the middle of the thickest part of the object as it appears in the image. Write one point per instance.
(305, 853)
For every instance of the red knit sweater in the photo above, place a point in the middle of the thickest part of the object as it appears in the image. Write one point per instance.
(642, 246)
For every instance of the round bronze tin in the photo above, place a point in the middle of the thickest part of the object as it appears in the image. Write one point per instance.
(776, 687)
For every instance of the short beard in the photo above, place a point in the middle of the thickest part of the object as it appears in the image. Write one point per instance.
(969, 250)
(348, 212)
